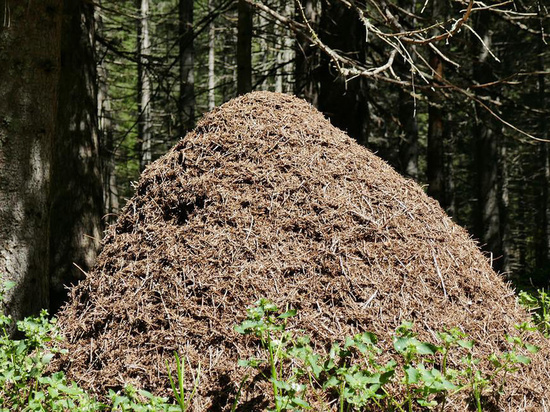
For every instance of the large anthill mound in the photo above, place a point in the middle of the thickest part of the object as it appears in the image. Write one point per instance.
(267, 199)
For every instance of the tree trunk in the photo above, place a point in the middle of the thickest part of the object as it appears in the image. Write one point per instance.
(408, 141)
(244, 48)
(436, 132)
(187, 65)
(344, 101)
(144, 86)
(306, 83)
(211, 61)
(77, 198)
(503, 211)
(542, 230)
(29, 78)
(487, 153)
(107, 146)
(435, 157)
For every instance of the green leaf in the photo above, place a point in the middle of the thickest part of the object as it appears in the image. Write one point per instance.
(523, 359)
(532, 348)
(401, 344)
(424, 348)
(253, 363)
(288, 314)
(301, 403)
(8, 284)
(426, 403)
(331, 382)
(466, 344)
(413, 374)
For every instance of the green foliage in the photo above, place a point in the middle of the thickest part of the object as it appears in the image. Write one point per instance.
(25, 386)
(539, 305)
(178, 388)
(353, 374)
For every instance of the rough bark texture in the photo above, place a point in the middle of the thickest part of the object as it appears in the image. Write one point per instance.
(77, 198)
(29, 75)
(244, 48)
(211, 60)
(542, 252)
(144, 86)
(187, 61)
(107, 146)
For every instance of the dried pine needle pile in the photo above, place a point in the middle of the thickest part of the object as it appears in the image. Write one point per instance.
(267, 199)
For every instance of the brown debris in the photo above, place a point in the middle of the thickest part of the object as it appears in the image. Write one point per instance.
(267, 199)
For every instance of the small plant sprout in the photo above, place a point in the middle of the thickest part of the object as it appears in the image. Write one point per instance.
(178, 386)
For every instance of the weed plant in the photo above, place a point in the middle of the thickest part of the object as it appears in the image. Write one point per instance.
(24, 385)
(538, 303)
(353, 376)
(350, 377)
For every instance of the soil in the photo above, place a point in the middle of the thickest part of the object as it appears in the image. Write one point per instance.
(265, 198)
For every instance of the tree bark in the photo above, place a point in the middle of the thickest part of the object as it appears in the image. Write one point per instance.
(77, 198)
(244, 48)
(486, 152)
(29, 77)
(344, 101)
(106, 138)
(435, 158)
(408, 140)
(144, 86)
(542, 230)
(306, 82)
(187, 65)
(436, 132)
(211, 60)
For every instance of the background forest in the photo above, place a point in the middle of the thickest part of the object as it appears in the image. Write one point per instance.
(452, 94)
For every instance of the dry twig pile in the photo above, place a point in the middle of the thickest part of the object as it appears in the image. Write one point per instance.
(267, 199)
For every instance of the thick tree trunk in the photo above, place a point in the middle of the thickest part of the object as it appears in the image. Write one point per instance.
(106, 137)
(486, 154)
(244, 48)
(29, 78)
(503, 210)
(211, 61)
(435, 158)
(144, 86)
(306, 82)
(344, 101)
(285, 52)
(187, 65)
(77, 198)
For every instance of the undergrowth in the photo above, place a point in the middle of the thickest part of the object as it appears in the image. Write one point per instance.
(351, 377)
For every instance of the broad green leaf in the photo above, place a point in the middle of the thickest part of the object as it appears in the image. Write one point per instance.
(413, 374)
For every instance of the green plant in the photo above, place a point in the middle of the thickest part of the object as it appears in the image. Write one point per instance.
(179, 390)
(24, 385)
(539, 305)
(271, 330)
(423, 383)
(353, 374)
(22, 363)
